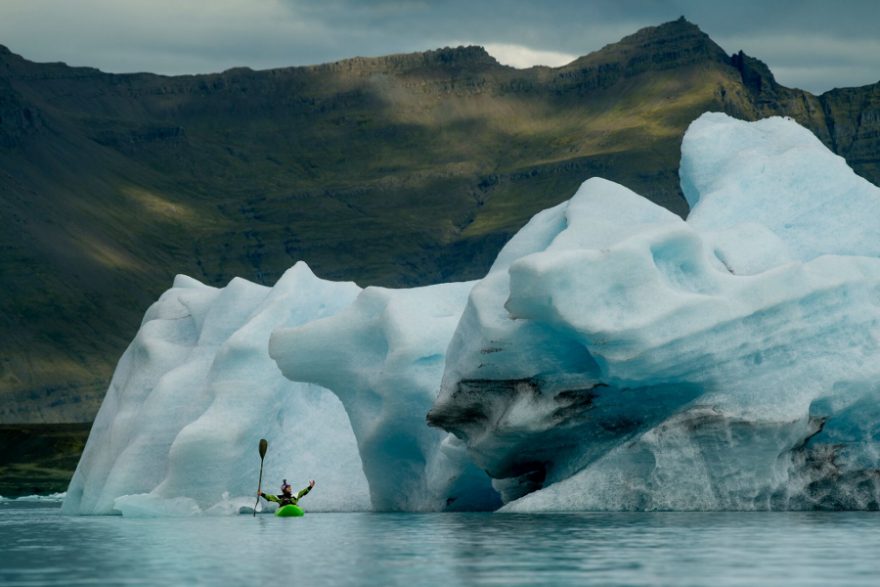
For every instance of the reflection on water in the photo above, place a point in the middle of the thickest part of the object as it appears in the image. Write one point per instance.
(38, 546)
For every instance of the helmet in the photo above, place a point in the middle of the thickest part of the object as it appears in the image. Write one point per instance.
(284, 485)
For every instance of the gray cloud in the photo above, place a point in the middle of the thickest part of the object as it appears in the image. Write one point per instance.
(809, 44)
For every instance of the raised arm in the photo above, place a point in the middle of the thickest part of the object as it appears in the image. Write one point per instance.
(269, 497)
(306, 490)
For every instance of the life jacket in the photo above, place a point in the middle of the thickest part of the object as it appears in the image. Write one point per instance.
(281, 499)
(284, 500)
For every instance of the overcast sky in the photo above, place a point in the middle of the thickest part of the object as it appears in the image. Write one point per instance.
(809, 44)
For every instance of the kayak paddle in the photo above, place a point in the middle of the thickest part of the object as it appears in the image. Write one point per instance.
(264, 445)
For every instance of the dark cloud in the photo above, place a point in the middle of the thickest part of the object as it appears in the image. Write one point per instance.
(809, 44)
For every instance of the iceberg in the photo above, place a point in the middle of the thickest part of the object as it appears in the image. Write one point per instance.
(178, 430)
(618, 357)
(614, 357)
(50, 498)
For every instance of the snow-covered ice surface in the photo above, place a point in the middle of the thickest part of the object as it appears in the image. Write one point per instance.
(777, 190)
(618, 357)
(615, 357)
(178, 431)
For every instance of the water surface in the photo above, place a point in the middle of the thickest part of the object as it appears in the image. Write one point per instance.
(39, 546)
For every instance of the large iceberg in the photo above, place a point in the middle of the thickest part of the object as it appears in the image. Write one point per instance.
(178, 430)
(615, 357)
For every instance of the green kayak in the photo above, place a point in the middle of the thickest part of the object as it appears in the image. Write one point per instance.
(289, 511)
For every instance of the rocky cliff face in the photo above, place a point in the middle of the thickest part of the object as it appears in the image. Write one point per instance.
(846, 120)
(400, 170)
(852, 117)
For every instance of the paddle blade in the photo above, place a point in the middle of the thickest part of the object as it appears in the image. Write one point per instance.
(264, 446)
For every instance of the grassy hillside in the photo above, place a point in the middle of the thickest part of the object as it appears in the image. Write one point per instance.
(400, 170)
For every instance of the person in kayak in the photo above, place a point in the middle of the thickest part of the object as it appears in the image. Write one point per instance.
(286, 497)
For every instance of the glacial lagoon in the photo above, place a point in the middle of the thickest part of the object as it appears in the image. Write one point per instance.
(723, 363)
(39, 547)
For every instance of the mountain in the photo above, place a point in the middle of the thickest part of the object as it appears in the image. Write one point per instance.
(401, 170)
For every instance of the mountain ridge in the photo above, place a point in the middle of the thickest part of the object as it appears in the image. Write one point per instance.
(399, 170)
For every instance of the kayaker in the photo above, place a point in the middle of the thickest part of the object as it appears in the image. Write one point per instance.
(286, 497)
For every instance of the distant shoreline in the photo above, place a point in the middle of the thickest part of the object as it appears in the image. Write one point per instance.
(39, 459)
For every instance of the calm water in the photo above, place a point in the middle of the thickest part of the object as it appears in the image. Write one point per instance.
(39, 546)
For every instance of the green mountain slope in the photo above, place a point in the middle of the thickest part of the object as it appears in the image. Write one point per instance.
(400, 170)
